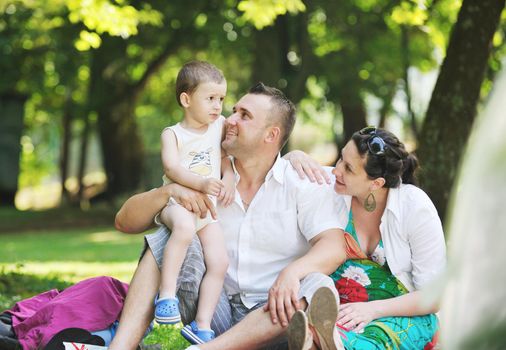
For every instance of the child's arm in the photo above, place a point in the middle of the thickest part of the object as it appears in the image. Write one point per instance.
(174, 171)
(227, 193)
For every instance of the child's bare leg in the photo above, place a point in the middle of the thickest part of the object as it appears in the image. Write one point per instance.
(182, 224)
(216, 259)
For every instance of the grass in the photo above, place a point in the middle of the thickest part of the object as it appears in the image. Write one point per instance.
(12, 220)
(71, 254)
(32, 262)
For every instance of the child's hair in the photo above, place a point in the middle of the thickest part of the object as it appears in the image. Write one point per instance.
(194, 73)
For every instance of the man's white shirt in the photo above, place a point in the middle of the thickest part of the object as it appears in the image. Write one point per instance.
(284, 215)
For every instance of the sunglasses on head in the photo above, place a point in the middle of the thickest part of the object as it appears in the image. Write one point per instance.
(376, 145)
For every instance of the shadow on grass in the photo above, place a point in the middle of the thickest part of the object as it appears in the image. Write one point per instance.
(12, 220)
(15, 286)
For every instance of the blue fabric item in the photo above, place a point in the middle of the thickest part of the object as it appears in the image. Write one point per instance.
(194, 335)
(108, 333)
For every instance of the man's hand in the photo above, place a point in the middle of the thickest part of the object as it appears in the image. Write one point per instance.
(355, 316)
(283, 298)
(212, 186)
(304, 165)
(194, 201)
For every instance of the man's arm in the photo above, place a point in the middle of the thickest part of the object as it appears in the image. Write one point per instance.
(137, 213)
(327, 252)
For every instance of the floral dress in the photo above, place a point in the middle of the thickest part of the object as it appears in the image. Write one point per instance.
(362, 278)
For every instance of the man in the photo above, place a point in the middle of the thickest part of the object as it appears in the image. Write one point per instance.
(279, 231)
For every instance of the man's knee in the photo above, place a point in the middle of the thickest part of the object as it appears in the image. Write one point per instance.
(310, 284)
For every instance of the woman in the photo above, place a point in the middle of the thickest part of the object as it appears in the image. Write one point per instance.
(395, 246)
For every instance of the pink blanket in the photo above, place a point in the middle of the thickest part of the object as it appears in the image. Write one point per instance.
(93, 304)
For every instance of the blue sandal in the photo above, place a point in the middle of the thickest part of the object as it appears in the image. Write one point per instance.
(194, 335)
(167, 310)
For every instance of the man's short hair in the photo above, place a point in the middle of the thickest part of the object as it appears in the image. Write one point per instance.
(194, 73)
(283, 109)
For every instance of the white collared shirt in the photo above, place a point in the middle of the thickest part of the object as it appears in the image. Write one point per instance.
(412, 236)
(284, 215)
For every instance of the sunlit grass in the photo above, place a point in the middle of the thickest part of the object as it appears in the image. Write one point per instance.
(33, 262)
(72, 255)
(75, 271)
(103, 245)
(168, 336)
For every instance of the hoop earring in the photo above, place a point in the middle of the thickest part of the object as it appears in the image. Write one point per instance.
(370, 202)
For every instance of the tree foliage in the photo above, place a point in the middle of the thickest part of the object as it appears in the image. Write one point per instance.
(108, 67)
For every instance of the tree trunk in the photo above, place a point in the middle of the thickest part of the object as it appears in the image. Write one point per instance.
(83, 156)
(406, 64)
(112, 98)
(352, 105)
(66, 137)
(452, 108)
(11, 127)
(268, 63)
(122, 146)
(354, 117)
(387, 106)
(273, 67)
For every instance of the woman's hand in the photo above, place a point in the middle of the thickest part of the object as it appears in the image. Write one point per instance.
(355, 316)
(307, 166)
(227, 193)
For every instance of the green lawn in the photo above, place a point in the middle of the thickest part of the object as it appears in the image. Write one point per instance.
(71, 254)
(36, 261)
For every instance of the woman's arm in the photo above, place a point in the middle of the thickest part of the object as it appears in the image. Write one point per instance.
(356, 316)
(227, 192)
(411, 304)
(137, 213)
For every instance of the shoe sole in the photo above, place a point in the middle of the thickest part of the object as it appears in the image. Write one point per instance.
(299, 337)
(168, 320)
(187, 333)
(322, 315)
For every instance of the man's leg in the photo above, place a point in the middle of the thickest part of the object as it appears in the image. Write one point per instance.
(138, 308)
(256, 330)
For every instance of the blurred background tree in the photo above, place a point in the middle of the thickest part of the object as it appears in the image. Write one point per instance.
(87, 86)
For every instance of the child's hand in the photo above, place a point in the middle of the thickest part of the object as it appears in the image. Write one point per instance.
(227, 193)
(212, 186)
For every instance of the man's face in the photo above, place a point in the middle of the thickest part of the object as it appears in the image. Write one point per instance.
(246, 128)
